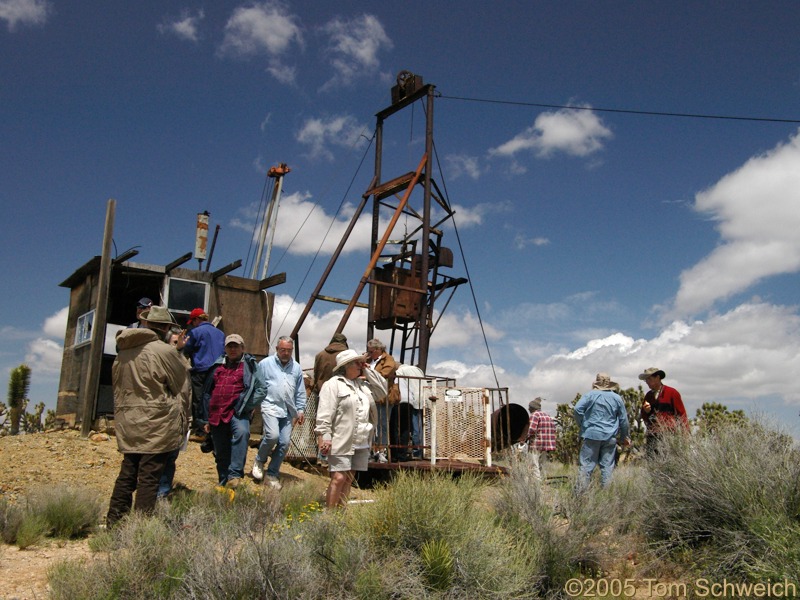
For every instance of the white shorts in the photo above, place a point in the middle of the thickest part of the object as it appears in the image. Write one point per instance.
(345, 462)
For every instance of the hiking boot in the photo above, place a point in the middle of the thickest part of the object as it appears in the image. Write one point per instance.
(233, 483)
(274, 482)
(258, 471)
(207, 445)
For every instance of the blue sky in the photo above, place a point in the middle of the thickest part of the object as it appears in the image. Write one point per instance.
(596, 241)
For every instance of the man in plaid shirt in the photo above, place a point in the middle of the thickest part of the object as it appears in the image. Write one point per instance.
(541, 436)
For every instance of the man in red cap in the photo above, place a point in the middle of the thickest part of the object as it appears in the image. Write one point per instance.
(204, 344)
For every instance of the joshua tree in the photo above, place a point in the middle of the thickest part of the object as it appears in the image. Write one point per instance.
(18, 386)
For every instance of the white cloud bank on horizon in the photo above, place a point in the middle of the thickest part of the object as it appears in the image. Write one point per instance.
(757, 208)
(746, 355)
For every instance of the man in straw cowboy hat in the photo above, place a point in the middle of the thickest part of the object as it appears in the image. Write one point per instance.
(602, 418)
(662, 409)
(151, 409)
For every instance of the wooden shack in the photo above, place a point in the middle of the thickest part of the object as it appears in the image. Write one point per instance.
(235, 305)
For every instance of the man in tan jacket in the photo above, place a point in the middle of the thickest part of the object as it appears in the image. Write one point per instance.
(152, 399)
(386, 365)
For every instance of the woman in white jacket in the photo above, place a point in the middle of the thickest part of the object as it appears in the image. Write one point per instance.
(346, 419)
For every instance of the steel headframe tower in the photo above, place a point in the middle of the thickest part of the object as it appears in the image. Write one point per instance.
(404, 274)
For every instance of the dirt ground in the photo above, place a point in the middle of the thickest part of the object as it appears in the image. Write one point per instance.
(63, 457)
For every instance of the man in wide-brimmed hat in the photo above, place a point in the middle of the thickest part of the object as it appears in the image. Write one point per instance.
(151, 409)
(662, 409)
(602, 417)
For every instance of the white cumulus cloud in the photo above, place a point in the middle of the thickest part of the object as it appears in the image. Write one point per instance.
(265, 29)
(757, 210)
(570, 131)
(354, 46)
(319, 134)
(186, 26)
(24, 12)
(56, 325)
(462, 165)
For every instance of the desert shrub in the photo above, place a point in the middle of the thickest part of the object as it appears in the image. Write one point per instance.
(212, 546)
(571, 535)
(422, 508)
(59, 511)
(32, 529)
(149, 561)
(728, 501)
(10, 519)
(68, 512)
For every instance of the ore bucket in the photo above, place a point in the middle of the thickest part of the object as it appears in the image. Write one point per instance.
(509, 426)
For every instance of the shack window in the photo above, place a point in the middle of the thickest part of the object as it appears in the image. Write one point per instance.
(183, 295)
(83, 331)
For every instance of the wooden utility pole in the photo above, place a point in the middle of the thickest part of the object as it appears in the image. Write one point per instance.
(89, 389)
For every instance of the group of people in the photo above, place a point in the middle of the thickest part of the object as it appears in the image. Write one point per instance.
(603, 421)
(166, 381)
(170, 384)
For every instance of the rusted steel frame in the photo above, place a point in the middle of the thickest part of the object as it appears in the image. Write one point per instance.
(396, 286)
(382, 244)
(325, 275)
(426, 307)
(407, 101)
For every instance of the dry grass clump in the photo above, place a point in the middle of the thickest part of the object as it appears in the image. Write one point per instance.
(571, 534)
(59, 512)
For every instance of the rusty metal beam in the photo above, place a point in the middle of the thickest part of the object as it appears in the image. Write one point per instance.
(379, 249)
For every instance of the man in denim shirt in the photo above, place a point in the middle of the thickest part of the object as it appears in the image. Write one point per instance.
(602, 417)
(283, 402)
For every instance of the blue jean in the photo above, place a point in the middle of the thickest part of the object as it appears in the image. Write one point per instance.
(596, 453)
(414, 429)
(165, 483)
(230, 448)
(274, 442)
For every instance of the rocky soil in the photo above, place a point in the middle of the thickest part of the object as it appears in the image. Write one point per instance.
(63, 457)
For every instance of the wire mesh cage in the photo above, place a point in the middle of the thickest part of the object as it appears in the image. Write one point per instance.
(304, 442)
(456, 425)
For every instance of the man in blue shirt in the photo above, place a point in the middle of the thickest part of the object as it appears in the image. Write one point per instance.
(204, 344)
(602, 417)
(283, 402)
